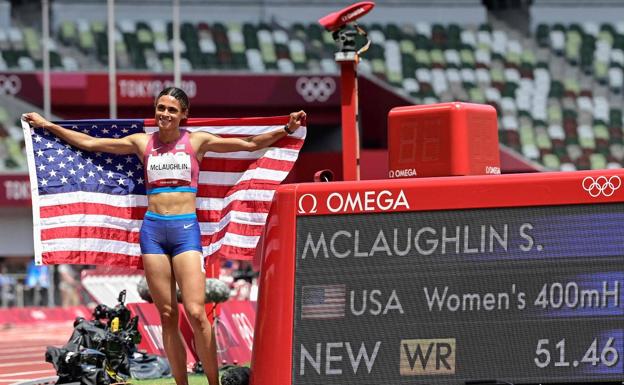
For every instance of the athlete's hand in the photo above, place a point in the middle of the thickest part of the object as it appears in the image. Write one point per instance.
(35, 119)
(296, 119)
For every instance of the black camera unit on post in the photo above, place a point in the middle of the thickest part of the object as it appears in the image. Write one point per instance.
(120, 311)
(345, 39)
(120, 325)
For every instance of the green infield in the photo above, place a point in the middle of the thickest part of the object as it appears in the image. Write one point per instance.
(194, 379)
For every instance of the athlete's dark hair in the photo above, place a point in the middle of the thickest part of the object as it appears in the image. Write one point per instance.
(177, 93)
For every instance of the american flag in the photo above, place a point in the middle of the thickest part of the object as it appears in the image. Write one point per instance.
(88, 207)
(323, 301)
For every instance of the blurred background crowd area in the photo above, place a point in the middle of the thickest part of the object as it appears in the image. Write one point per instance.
(553, 69)
(25, 284)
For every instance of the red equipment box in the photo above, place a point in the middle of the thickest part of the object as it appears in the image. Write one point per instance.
(442, 140)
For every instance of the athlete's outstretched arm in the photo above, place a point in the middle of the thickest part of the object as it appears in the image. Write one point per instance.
(210, 142)
(126, 145)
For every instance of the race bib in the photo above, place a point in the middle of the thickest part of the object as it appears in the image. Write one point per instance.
(169, 169)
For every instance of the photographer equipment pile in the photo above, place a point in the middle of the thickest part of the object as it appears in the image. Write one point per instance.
(103, 351)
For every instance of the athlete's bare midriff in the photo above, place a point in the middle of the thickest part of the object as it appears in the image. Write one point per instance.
(171, 203)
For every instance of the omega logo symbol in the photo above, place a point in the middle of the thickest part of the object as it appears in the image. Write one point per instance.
(307, 204)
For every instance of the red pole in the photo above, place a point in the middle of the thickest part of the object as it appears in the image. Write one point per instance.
(349, 113)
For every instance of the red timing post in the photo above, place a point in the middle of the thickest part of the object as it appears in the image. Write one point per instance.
(348, 57)
(349, 113)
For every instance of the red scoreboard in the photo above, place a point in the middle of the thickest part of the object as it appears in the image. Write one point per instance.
(443, 139)
(515, 278)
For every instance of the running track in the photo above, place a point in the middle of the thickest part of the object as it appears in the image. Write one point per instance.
(22, 350)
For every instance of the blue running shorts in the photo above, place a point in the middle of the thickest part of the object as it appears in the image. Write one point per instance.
(169, 234)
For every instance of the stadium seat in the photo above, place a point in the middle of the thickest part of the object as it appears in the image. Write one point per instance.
(297, 54)
(254, 59)
(68, 34)
(551, 162)
(540, 135)
(32, 42)
(615, 77)
(329, 66)
(597, 161)
(568, 166)
(285, 65)
(616, 150)
(437, 58)
(530, 151)
(86, 40)
(25, 63)
(484, 40)
(411, 86)
(452, 58)
(5, 42)
(16, 38)
(267, 49)
(438, 81)
(509, 122)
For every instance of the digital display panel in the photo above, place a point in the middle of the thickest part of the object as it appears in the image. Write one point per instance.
(523, 295)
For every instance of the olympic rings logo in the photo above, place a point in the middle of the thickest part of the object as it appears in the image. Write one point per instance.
(601, 185)
(315, 89)
(10, 85)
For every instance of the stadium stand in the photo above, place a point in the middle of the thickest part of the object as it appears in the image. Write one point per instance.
(558, 92)
(11, 143)
(12, 155)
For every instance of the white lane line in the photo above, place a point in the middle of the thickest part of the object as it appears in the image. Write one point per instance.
(26, 373)
(40, 362)
(45, 380)
(22, 350)
(10, 358)
(22, 355)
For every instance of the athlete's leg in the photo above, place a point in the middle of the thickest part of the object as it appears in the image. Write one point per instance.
(162, 287)
(192, 282)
